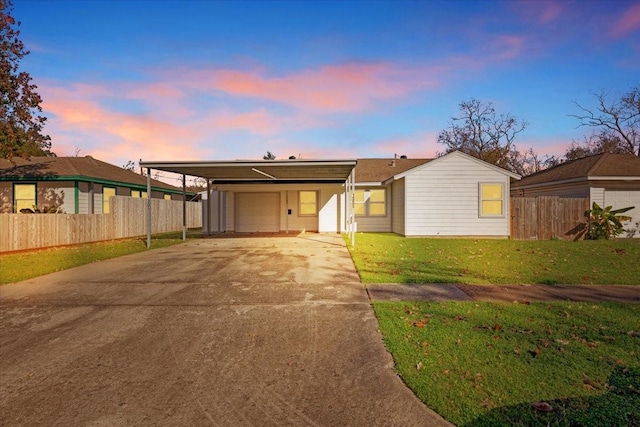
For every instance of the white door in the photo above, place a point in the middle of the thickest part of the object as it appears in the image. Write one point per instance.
(624, 198)
(257, 212)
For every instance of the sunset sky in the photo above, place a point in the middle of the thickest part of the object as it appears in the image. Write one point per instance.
(199, 80)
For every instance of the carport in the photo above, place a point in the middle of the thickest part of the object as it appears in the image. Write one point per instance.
(291, 171)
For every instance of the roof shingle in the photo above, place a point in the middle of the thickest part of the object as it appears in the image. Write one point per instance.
(606, 164)
(88, 167)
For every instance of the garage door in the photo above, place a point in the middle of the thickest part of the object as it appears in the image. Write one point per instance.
(622, 199)
(257, 212)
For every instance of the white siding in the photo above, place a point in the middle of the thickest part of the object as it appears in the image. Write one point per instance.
(623, 199)
(397, 206)
(442, 199)
(596, 194)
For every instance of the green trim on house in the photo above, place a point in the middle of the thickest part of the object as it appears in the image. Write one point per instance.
(94, 180)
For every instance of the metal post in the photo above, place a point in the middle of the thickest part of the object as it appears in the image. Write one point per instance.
(353, 208)
(184, 207)
(148, 208)
(209, 204)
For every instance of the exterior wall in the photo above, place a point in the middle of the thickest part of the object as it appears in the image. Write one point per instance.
(328, 218)
(398, 206)
(442, 199)
(596, 194)
(58, 193)
(6, 197)
(573, 189)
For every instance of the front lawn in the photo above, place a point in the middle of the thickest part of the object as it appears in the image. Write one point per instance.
(491, 364)
(390, 258)
(18, 266)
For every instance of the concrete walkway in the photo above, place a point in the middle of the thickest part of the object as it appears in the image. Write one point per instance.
(507, 293)
(226, 332)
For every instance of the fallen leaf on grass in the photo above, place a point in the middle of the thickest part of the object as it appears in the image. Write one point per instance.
(459, 318)
(542, 406)
(420, 323)
(419, 366)
(633, 334)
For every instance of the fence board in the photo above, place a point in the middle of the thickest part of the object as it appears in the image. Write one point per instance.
(128, 218)
(548, 217)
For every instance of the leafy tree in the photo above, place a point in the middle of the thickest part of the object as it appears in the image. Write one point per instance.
(606, 223)
(269, 156)
(479, 131)
(617, 125)
(20, 123)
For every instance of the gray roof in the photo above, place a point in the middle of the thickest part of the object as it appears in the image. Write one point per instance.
(380, 170)
(74, 168)
(600, 165)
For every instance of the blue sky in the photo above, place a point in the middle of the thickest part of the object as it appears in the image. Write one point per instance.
(194, 80)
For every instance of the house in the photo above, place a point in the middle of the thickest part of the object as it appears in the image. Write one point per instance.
(74, 184)
(607, 179)
(453, 195)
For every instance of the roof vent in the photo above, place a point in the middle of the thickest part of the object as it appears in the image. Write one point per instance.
(393, 163)
(404, 156)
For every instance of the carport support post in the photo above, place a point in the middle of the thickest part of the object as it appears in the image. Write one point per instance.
(352, 198)
(184, 207)
(148, 208)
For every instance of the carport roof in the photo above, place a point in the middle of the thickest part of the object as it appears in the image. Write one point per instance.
(261, 171)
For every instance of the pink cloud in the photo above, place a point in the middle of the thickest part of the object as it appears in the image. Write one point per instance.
(330, 89)
(628, 23)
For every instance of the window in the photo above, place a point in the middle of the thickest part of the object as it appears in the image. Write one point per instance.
(167, 196)
(308, 201)
(377, 202)
(370, 202)
(24, 196)
(136, 194)
(359, 207)
(491, 199)
(144, 195)
(106, 193)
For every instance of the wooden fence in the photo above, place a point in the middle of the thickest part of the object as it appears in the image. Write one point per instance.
(548, 217)
(128, 218)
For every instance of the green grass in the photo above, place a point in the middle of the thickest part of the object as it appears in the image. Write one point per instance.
(481, 364)
(15, 267)
(389, 258)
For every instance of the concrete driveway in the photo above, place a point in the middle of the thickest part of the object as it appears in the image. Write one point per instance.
(226, 331)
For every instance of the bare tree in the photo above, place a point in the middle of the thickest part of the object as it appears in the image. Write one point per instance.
(617, 121)
(269, 156)
(130, 166)
(482, 133)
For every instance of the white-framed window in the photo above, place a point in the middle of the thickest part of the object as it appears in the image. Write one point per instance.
(24, 196)
(167, 196)
(107, 192)
(371, 202)
(307, 203)
(491, 199)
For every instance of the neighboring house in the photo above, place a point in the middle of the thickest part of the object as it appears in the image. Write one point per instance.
(74, 184)
(453, 195)
(607, 179)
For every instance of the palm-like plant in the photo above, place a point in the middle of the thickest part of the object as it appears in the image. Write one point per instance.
(606, 223)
